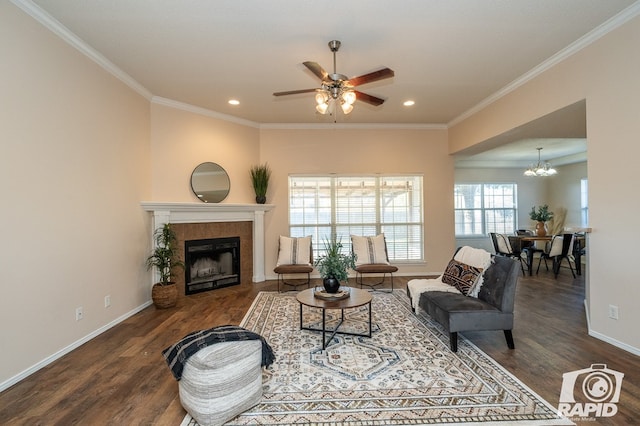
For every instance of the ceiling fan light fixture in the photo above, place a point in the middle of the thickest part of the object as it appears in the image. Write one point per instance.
(346, 108)
(322, 98)
(349, 97)
(322, 108)
(338, 89)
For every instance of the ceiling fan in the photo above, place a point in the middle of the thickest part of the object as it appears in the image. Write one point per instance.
(338, 88)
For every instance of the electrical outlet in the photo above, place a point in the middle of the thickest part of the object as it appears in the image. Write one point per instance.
(613, 312)
(107, 301)
(79, 313)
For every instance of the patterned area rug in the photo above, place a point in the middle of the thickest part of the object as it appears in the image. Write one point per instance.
(404, 374)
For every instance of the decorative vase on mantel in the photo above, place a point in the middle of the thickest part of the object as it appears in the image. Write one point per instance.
(331, 285)
(541, 228)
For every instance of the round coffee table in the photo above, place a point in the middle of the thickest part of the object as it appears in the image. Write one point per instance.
(356, 299)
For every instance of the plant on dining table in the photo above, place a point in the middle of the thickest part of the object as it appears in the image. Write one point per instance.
(542, 214)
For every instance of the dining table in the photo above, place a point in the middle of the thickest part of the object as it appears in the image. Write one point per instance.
(518, 240)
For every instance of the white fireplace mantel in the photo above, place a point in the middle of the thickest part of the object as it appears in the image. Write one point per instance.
(173, 212)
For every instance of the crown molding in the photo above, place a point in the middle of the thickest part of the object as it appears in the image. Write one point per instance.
(202, 111)
(49, 22)
(352, 126)
(584, 41)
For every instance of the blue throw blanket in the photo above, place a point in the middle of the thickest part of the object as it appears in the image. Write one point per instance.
(178, 354)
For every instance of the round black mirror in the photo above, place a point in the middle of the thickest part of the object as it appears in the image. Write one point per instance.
(210, 183)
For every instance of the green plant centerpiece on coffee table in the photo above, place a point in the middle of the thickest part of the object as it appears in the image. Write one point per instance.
(333, 265)
(260, 175)
(165, 258)
(541, 216)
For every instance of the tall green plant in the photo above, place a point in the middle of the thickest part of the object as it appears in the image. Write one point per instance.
(165, 254)
(260, 175)
(333, 263)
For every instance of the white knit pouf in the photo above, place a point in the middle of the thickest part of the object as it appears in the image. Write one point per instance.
(221, 381)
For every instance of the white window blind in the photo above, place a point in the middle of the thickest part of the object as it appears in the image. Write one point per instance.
(335, 206)
(485, 207)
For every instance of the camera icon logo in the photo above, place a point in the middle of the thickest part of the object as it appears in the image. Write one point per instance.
(590, 391)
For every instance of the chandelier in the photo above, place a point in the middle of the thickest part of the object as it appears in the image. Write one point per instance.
(540, 169)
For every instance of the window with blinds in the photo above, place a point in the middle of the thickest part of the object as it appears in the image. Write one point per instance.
(485, 207)
(334, 206)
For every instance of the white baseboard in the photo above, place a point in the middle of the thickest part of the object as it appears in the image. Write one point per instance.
(48, 360)
(608, 339)
(586, 314)
(614, 342)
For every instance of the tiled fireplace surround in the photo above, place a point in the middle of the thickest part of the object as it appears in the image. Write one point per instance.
(195, 221)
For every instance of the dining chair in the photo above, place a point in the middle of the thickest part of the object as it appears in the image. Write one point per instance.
(509, 246)
(558, 249)
(529, 248)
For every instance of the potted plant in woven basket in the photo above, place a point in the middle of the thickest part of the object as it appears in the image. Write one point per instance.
(541, 216)
(333, 265)
(260, 180)
(165, 258)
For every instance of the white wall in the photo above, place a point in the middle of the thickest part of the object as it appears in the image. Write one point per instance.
(365, 151)
(181, 140)
(564, 191)
(73, 169)
(607, 75)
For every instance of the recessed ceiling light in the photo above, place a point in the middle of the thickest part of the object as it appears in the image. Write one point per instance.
(234, 102)
(409, 103)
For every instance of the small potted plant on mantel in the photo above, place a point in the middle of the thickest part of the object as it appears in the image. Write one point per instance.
(333, 265)
(164, 257)
(260, 175)
(541, 216)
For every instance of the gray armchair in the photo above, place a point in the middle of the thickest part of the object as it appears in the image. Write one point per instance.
(491, 310)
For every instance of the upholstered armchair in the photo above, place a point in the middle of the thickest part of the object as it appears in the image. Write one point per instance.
(372, 259)
(295, 261)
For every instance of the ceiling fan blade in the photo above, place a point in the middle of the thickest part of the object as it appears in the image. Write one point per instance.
(371, 77)
(373, 100)
(294, 92)
(316, 69)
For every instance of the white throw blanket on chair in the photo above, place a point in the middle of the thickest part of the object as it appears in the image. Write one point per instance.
(478, 258)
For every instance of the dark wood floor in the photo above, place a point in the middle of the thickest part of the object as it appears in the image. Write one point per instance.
(120, 376)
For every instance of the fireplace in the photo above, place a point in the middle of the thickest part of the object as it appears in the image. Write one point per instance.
(199, 215)
(211, 264)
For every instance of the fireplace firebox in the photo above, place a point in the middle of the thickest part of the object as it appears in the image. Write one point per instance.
(211, 264)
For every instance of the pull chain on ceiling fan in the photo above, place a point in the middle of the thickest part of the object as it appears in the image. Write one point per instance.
(338, 88)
